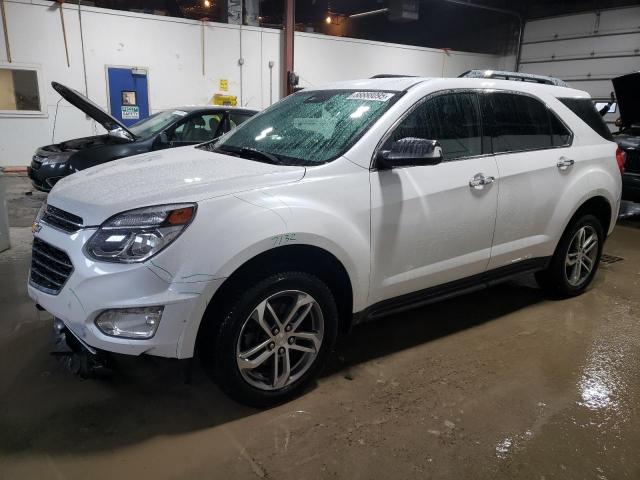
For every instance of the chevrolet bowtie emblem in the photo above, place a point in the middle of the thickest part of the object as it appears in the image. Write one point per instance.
(36, 227)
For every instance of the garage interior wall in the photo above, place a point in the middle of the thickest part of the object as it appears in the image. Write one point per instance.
(587, 50)
(171, 51)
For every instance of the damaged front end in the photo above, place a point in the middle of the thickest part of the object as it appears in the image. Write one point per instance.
(78, 357)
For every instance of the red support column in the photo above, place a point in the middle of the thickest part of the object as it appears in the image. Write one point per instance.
(289, 27)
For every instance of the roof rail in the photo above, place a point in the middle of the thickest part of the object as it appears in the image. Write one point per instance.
(392, 75)
(522, 77)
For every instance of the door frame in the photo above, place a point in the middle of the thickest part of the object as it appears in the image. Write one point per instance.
(130, 67)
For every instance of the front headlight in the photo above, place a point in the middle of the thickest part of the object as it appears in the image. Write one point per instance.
(137, 235)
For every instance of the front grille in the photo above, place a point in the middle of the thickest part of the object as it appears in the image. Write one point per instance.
(633, 161)
(65, 221)
(50, 267)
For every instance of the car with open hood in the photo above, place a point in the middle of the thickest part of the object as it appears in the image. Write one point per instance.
(170, 128)
(628, 137)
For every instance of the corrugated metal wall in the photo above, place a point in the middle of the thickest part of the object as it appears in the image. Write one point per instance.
(587, 50)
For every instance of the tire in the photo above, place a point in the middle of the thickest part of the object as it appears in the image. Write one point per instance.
(559, 278)
(250, 323)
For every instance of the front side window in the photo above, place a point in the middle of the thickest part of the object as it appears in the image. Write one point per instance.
(452, 119)
(309, 127)
(516, 122)
(19, 90)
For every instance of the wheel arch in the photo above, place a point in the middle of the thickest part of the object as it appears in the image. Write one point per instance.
(597, 205)
(299, 257)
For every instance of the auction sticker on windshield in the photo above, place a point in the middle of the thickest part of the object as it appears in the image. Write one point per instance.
(374, 96)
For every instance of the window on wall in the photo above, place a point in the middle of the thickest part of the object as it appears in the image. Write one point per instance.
(19, 91)
(452, 119)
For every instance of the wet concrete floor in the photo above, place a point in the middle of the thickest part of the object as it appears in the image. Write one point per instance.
(498, 384)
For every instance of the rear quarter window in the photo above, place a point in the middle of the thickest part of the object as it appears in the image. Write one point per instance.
(586, 110)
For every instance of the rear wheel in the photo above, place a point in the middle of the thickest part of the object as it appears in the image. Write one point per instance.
(275, 339)
(576, 260)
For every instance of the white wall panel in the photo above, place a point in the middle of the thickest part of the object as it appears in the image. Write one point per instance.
(271, 76)
(20, 136)
(252, 68)
(320, 59)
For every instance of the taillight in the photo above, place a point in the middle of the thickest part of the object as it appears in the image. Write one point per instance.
(621, 158)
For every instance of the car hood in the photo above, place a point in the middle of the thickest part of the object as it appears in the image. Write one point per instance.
(78, 100)
(626, 88)
(185, 174)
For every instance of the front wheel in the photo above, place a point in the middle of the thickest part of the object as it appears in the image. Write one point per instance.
(576, 260)
(275, 339)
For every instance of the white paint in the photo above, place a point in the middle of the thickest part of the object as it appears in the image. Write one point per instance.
(170, 48)
(584, 49)
(394, 231)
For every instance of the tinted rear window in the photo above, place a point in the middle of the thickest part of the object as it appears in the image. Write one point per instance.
(586, 110)
(520, 123)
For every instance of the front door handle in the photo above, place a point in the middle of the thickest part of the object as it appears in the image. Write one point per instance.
(564, 163)
(479, 180)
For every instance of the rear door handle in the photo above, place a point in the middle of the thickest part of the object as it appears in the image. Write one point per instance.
(564, 163)
(479, 180)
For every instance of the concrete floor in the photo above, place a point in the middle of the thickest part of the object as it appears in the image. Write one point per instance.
(499, 384)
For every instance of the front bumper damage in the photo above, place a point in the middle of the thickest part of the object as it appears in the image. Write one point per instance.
(78, 356)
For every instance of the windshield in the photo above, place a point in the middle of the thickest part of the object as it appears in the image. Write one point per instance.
(156, 123)
(309, 127)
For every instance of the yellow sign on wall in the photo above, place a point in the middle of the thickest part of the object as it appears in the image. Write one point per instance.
(224, 85)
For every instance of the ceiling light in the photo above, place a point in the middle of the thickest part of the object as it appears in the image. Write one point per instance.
(207, 3)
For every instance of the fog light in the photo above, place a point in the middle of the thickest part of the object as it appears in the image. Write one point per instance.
(135, 323)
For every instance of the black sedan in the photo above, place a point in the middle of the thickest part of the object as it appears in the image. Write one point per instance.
(166, 129)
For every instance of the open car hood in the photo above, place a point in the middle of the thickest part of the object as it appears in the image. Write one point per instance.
(627, 87)
(78, 100)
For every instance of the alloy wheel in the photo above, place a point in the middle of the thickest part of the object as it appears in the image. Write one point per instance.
(581, 256)
(280, 340)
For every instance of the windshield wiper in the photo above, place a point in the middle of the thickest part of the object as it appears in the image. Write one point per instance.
(252, 153)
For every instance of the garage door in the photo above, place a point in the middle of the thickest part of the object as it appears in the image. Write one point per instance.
(587, 50)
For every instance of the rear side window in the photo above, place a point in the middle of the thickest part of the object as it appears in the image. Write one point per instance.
(519, 122)
(586, 110)
(452, 119)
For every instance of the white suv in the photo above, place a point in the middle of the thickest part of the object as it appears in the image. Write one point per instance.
(333, 206)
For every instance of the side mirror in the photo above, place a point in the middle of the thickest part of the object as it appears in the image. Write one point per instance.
(162, 141)
(410, 152)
